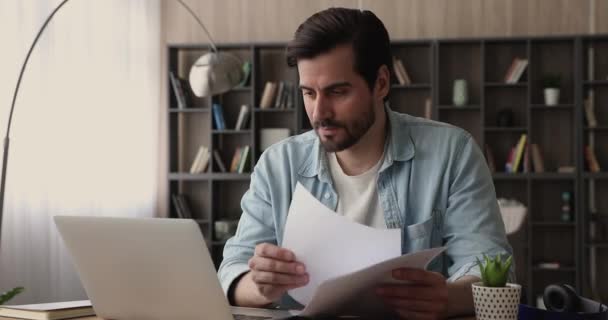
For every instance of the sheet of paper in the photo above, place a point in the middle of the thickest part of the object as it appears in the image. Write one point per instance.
(330, 245)
(353, 294)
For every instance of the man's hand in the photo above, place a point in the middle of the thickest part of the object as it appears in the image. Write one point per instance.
(274, 270)
(424, 296)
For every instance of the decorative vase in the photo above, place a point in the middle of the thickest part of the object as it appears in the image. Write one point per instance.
(459, 93)
(496, 303)
(551, 96)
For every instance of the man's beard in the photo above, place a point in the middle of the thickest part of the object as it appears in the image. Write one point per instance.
(354, 131)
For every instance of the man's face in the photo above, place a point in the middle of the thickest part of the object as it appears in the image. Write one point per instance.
(338, 101)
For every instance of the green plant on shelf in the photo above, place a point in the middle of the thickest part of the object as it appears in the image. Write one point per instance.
(495, 272)
(551, 80)
(5, 297)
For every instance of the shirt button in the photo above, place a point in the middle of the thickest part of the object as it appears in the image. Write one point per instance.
(327, 196)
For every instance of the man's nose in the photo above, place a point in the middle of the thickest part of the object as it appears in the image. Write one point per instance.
(322, 108)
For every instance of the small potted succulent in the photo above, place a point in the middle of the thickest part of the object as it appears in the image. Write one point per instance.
(494, 297)
(551, 85)
(5, 297)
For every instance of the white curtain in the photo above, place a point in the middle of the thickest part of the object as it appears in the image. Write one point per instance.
(85, 130)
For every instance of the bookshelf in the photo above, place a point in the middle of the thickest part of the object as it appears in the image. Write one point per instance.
(594, 83)
(433, 65)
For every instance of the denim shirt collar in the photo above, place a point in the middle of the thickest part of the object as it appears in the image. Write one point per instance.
(399, 147)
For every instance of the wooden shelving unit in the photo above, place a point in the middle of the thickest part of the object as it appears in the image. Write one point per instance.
(433, 65)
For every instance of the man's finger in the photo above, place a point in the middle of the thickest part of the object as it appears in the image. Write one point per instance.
(273, 265)
(271, 251)
(273, 278)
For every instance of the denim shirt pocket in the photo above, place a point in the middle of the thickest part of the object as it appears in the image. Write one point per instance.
(419, 236)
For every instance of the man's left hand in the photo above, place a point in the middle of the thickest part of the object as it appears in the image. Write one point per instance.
(423, 295)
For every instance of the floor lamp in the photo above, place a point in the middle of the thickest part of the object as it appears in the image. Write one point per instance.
(213, 73)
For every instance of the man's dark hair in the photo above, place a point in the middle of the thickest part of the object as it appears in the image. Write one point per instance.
(333, 27)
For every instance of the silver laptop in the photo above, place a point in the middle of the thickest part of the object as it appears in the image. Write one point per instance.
(149, 268)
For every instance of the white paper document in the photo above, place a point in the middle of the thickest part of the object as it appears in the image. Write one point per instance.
(344, 259)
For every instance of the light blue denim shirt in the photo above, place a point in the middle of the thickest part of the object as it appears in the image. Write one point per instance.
(434, 185)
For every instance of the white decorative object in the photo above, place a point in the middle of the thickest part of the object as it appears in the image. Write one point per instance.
(496, 303)
(551, 96)
(460, 94)
(215, 73)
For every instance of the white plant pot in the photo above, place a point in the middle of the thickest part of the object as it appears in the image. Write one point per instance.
(551, 96)
(496, 303)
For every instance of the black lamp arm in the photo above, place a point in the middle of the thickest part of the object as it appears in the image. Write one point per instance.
(27, 58)
(10, 116)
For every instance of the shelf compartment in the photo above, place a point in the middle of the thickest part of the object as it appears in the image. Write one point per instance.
(459, 60)
(502, 106)
(412, 102)
(552, 56)
(499, 56)
(417, 58)
(546, 209)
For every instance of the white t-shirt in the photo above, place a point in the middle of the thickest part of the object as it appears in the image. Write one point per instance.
(358, 195)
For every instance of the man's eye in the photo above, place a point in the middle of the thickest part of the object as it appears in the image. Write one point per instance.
(307, 93)
(338, 92)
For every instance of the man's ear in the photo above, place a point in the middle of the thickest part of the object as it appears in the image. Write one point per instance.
(383, 82)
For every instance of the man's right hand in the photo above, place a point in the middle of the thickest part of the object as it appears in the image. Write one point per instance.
(274, 271)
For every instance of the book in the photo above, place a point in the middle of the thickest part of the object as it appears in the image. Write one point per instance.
(592, 163)
(397, 72)
(270, 136)
(178, 208)
(526, 167)
(268, 95)
(236, 157)
(589, 106)
(178, 91)
(403, 71)
(278, 101)
(218, 161)
(243, 159)
(537, 158)
(185, 206)
(512, 67)
(243, 118)
(48, 311)
(200, 160)
(516, 70)
(218, 116)
(428, 109)
(519, 152)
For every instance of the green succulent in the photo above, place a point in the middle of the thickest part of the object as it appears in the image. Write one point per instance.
(551, 80)
(5, 297)
(494, 272)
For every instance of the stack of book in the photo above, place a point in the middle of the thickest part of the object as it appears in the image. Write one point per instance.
(401, 73)
(178, 89)
(278, 95)
(49, 311)
(201, 160)
(181, 206)
(239, 159)
(516, 70)
(243, 118)
(519, 157)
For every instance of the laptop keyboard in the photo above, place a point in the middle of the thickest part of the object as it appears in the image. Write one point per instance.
(248, 317)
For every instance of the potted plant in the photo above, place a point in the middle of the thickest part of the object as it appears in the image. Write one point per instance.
(494, 297)
(5, 297)
(551, 85)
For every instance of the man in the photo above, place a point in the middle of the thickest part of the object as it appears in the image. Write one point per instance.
(375, 166)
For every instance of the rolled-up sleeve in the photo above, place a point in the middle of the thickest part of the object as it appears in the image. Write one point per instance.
(255, 226)
(472, 222)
